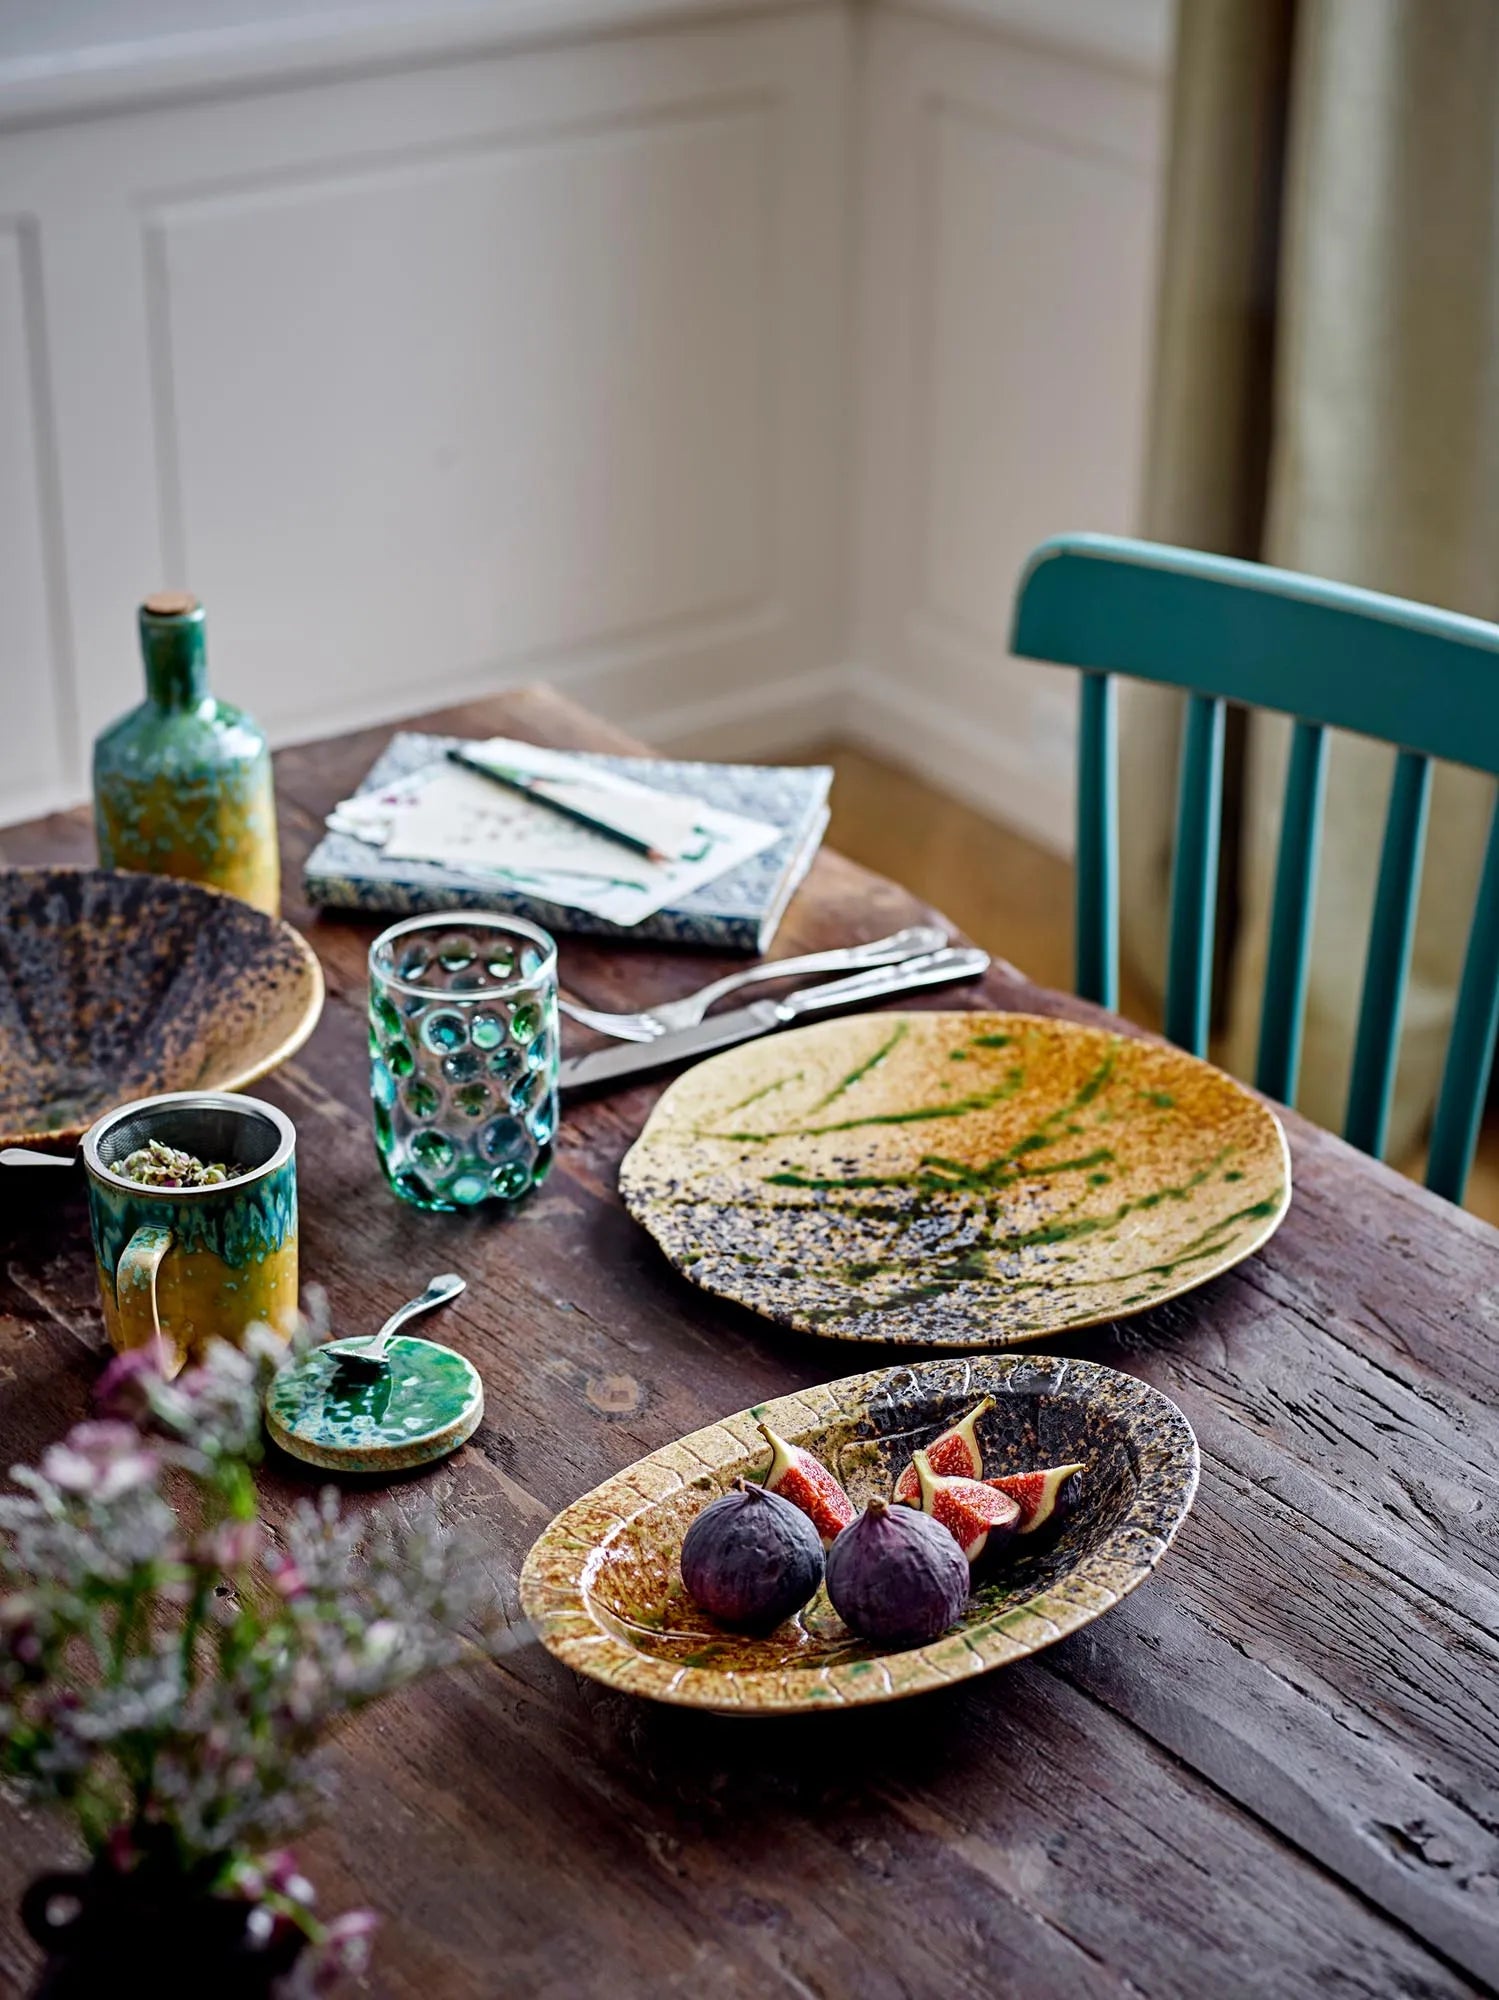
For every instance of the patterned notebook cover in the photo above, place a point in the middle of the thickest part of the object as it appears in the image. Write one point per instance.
(738, 912)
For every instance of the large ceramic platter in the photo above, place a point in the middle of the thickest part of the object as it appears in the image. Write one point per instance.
(955, 1180)
(115, 986)
(602, 1590)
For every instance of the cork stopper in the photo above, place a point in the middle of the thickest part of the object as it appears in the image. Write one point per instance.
(170, 604)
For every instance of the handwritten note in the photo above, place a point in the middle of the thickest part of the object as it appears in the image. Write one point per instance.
(449, 814)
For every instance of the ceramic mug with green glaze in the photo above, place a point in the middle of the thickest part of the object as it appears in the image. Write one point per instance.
(185, 1265)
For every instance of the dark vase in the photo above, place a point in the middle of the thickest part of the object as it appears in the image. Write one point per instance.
(136, 1921)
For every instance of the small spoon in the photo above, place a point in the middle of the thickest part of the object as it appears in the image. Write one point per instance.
(370, 1360)
(23, 1156)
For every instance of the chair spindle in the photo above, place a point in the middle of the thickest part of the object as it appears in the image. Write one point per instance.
(1194, 884)
(1387, 966)
(1470, 1053)
(1283, 1013)
(1097, 918)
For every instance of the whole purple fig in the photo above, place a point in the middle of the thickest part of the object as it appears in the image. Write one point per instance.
(750, 1559)
(897, 1576)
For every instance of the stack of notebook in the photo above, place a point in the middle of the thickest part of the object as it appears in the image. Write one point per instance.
(426, 833)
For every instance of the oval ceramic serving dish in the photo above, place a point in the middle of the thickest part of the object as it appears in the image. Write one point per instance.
(602, 1589)
(955, 1180)
(115, 986)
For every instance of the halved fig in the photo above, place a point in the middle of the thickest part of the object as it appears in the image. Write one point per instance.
(806, 1482)
(954, 1455)
(978, 1516)
(1043, 1497)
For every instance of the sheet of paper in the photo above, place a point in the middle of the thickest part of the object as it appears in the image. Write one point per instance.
(663, 821)
(450, 815)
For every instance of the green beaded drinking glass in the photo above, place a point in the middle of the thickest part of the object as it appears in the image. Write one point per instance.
(463, 1057)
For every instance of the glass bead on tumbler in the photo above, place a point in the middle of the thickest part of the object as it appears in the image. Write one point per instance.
(463, 1058)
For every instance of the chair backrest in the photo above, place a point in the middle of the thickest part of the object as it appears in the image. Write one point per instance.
(1328, 655)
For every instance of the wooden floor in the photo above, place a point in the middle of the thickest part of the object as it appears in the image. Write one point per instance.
(1010, 895)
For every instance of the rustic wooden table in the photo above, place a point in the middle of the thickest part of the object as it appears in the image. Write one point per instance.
(1273, 1770)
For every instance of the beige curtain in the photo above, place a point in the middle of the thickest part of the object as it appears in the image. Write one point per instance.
(1327, 398)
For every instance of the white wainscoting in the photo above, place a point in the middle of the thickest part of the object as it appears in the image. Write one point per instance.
(1007, 265)
(715, 359)
(39, 734)
(429, 382)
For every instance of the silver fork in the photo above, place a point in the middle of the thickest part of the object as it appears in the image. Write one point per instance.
(650, 1023)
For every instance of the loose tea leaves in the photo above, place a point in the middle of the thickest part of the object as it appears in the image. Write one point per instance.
(157, 1165)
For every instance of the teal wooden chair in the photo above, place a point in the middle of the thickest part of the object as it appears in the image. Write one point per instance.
(1327, 655)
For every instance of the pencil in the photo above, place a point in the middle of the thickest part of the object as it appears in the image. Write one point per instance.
(529, 787)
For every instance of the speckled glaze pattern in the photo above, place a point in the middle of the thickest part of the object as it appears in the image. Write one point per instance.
(115, 986)
(182, 784)
(602, 1588)
(959, 1180)
(422, 1407)
(159, 811)
(232, 1258)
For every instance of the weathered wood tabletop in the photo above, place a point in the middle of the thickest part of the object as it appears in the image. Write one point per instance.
(1273, 1770)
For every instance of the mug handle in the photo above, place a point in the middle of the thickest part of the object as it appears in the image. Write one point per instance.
(135, 1296)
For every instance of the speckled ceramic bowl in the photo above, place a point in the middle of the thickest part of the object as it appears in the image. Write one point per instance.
(601, 1585)
(116, 986)
(955, 1180)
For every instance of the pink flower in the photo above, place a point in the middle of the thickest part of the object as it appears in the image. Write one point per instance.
(248, 1879)
(231, 1545)
(286, 1579)
(19, 1634)
(345, 1947)
(124, 1389)
(100, 1461)
(285, 1877)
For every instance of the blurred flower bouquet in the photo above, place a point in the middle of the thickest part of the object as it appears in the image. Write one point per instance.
(166, 1672)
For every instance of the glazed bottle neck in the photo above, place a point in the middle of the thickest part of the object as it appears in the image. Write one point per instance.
(174, 649)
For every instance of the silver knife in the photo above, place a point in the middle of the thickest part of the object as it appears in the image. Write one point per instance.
(722, 1031)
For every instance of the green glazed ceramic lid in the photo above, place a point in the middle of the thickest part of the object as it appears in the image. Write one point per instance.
(423, 1406)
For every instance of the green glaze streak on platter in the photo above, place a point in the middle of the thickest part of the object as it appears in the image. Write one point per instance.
(979, 1100)
(958, 1107)
(1211, 1240)
(862, 1070)
(1063, 1230)
(970, 1268)
(935, 1174)
(765, 1090)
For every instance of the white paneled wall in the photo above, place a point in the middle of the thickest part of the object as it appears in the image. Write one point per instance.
(1007, 269)
(716, 361)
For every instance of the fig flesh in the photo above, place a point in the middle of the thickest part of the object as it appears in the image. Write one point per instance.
(897, 1577)
(806, 1482)
(978, 1516)
(750, 1559)
(955, 1455)
(1045, 1498)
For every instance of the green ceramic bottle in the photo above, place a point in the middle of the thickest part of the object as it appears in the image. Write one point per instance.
(182, 784)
